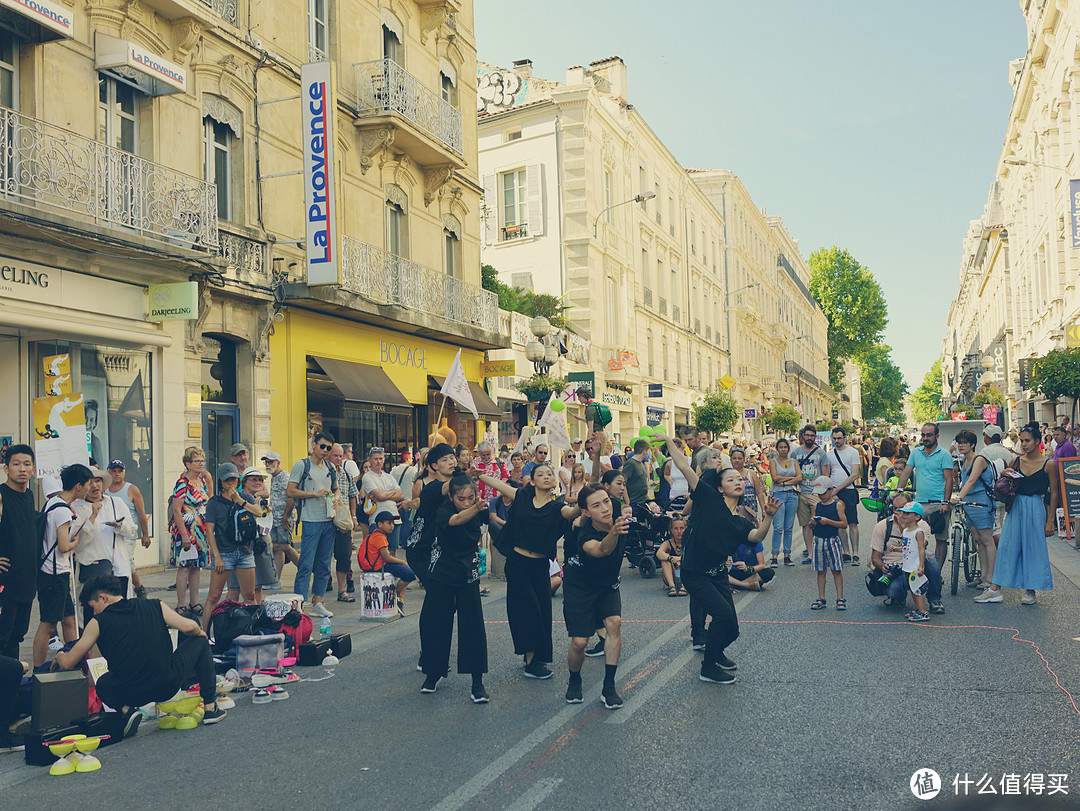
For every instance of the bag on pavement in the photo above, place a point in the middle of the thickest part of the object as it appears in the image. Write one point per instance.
(258, 652)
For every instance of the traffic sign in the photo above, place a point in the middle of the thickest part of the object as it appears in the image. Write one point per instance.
(1072, 335)
(750, 413)
(727, 382)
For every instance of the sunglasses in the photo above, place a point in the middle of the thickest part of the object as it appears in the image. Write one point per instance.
(377, 449)
(325, 447)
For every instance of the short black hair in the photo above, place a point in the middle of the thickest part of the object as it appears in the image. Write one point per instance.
(839, 429)
(641, 445)
(440, 451)
(102, 584)
(809, 428)
(586, 491)
(74, 475)
(322, 435)
(14, 449)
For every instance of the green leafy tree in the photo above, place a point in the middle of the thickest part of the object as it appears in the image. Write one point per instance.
(883, 386)
(926, 400)
(852, 301)
(785, 420)
(539, 388)
(1057, 375)
(716, 412)
(526, 302)
(989, 394)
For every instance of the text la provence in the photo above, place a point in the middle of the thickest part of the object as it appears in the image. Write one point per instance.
(318, 211)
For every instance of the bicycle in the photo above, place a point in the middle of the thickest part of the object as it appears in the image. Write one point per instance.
(965, 550)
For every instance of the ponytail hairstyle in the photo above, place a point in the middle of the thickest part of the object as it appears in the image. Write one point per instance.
(459, 483)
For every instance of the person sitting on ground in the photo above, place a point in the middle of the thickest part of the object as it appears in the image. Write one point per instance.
(11, 674)
(670, 556)
(886, 544)
(133, 636)
(749, 569)
(374, 555)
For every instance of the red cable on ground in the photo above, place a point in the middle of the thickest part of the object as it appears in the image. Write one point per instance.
(1015, 635)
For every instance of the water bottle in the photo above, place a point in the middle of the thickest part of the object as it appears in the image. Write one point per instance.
(678, 577)
(324, 628)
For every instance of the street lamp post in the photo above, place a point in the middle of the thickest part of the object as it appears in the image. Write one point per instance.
(640, 198)
(540, 352)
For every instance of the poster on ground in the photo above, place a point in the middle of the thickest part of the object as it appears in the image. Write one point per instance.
(59, 433)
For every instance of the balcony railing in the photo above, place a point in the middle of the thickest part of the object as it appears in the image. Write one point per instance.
(648, 297)
(663, 306)
(384, 86)
(58, 171)
(246, 255)
(388, 279)
(226, 9)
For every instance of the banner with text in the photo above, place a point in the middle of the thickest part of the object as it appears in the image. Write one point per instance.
(320, 191)
(1074, 205)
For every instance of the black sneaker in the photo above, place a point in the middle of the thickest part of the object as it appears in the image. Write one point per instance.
(937, 608)
(698, 644)
(610, 698)
(478, 695)
(431, 684)
(597, 649)
(213, 716)
(726, 664)
(713, 673)
(537, 670)
(573, 693)
(132, 719)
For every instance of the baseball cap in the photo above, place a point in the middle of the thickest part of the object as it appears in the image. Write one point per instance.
(51, 485)
(992, 431)
(272, 456)
(821, 484)
(576, 441)
(226, 471)
(239, 447)
(384, 515)
(911, 507)
(117, 463)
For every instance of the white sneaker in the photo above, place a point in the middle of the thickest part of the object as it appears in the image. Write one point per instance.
(990, 596)
(55, 645)
(1028, 598)
(320, 610)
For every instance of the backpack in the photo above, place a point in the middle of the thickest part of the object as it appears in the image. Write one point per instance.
(995, 467)
(306, 477)
(246, 530)
(41, 521)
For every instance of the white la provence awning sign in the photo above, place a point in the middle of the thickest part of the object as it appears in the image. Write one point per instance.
(44, 12)
(320, 198)
(112, 52)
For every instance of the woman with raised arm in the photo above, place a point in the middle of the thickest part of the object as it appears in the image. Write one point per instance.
(535, 523)
(712, 537)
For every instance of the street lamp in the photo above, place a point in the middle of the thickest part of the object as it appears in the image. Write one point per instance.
(1013, 160)
(640, 198)
(539, 352)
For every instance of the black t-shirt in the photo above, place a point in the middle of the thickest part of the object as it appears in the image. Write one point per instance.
(454, 549)
(135, 641)
(535, 530)
(222, 513)
(19, 544)
(584, 569)
(713, 534)
(424, 522)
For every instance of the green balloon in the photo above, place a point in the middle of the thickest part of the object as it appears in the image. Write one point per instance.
(557, 405)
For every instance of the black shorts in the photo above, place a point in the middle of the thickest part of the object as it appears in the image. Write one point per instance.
(54, 597)
(850, 497)
(343, 551)
(585, 608)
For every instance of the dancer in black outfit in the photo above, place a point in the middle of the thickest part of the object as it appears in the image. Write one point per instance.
(712, 537)
(530, 536)
(453, 585)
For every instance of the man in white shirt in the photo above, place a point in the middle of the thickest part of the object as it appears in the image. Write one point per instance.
(844, 471)
(106, 541)
(382, 488)
(351, 468)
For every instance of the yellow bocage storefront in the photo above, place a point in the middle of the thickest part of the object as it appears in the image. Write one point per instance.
(366, 385)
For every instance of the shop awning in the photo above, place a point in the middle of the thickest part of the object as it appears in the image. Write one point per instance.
(135, 65)
(52, 19)
(362, 383)
(485, 406)
(656, 409)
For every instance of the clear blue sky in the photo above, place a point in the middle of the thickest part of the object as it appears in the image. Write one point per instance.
(869, 125)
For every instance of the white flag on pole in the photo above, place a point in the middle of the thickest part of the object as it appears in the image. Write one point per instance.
(554, 423)
(456, 387)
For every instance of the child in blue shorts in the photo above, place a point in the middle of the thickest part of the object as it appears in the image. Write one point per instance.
(828, 555)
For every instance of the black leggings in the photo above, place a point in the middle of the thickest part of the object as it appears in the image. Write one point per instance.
(528, 605)
(437, 628)
(11, 674)
(745, 574)
(712, 595)
(190, 662)
(14, 623)
(419, 560)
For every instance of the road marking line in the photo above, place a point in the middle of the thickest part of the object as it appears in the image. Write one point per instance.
(485, 777)
(535, 795)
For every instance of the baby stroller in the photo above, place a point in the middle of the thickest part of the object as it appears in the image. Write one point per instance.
(645, 536)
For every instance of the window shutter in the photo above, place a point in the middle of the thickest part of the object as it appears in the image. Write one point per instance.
(490, 210)
(534, 194)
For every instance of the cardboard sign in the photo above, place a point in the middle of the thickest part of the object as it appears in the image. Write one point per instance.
(1069, 489)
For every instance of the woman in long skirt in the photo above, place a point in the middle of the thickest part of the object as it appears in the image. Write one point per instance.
(1023, 561)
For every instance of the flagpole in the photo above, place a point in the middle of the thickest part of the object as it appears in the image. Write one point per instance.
(439, 418)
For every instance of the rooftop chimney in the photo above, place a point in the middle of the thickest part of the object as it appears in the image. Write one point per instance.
(611, 75)
(524, 67)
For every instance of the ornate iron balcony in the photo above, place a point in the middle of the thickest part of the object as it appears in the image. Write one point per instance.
(383, 86)
(648, 297)
(246, 255)
(226, 9)
(58, 171)
(389, 279)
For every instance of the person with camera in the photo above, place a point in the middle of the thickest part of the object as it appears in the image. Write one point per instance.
(231, 545)
(886, 556)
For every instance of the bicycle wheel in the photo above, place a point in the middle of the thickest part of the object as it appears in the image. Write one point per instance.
(957, 553)
(971, 557)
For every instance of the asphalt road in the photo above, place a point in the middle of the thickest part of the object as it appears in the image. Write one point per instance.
(831, 710)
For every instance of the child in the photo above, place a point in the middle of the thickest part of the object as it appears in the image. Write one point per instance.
(914, 555)
(828, 519)
(375, 556)
(454, 586)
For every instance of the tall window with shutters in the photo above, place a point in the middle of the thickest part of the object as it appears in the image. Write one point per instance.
(513, 206)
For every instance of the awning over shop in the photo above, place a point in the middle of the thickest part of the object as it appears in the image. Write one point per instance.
(135, 65)
(485, 406)
(53, 20)
(656, 409)
(362, 383)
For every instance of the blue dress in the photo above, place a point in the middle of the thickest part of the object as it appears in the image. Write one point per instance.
(981, 517)
(1023, 559)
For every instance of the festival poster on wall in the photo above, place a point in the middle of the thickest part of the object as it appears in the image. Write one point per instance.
(57, 374)
(59, 433)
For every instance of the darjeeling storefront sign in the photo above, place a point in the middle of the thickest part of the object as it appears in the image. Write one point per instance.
(173, 302)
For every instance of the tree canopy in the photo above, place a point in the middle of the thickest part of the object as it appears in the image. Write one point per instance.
(526, 302)
(716, 411)
(852, 301)
(926, 400)
(883, 386)
(1057, 375)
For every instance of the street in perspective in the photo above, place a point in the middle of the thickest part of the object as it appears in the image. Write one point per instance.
(455, 404)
